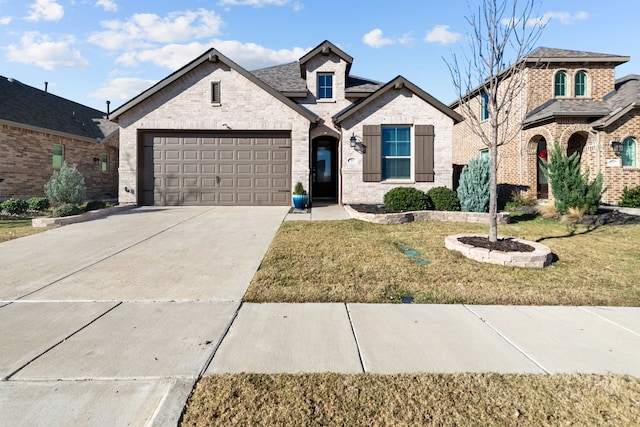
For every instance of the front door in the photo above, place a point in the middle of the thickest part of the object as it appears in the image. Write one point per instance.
(324, 170)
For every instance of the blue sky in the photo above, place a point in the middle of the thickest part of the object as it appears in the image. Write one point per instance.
(93, 50)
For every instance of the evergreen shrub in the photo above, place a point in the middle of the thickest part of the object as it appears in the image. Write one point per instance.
(404, 199)
(14, 206)
(38, 203)
(66, 186)
(630, 197)
(66, 209)
(444, 199)
(95, 205)
(474, 187)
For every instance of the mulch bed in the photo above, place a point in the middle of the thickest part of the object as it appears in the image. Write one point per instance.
(504, 245)
(612, 217)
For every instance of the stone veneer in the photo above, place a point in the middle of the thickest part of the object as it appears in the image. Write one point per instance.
(539, 258)
(404, 217)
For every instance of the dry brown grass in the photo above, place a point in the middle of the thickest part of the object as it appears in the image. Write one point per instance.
(355, 261)
(14, 228)
(408, 400)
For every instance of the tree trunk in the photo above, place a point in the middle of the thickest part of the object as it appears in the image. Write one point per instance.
(493, 190)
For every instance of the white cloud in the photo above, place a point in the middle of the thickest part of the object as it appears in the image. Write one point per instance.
(47, 10)
(39, 49)
(108, 5)
(565, 18)
(145, 29)
(122, 88)
(254, 3)
(248, 55)
(374, 38)
(441, 34)
(5, 20)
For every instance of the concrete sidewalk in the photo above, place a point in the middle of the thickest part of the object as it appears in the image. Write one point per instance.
(111, 322)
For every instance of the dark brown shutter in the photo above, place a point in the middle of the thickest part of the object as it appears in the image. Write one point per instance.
(424, 153)
(372, 156)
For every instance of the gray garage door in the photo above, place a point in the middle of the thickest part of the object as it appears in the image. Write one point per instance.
(230, 168)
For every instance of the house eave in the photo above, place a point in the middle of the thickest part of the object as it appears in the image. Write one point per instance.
(616, 115)
(526, 124)
(58, 133)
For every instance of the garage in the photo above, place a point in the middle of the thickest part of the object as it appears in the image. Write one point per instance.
(215, 168)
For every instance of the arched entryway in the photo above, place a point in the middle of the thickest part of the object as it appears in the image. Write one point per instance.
(542, 184)
(324, 169)
(576, 143)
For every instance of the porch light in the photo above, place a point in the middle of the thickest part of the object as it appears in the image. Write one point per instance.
(353, 141)
(617, 147)
(96, 160)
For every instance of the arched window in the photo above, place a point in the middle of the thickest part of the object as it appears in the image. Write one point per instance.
(560, 84)
(629, 152)
(580, 86)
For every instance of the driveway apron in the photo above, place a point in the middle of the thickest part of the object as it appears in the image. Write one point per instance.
(110, 322)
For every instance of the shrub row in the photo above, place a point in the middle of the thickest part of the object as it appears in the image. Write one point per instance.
(15, 206)
(404, 199)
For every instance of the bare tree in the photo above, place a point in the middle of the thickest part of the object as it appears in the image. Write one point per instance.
(503, 33)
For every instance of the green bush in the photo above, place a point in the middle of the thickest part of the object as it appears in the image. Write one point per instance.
(570, 187)
(38, 203)
(630, 197)
(444, 199)
(66, 186)
(94, 205)
(66, 209)
(405, 199)
(14, 206)
(474, 188)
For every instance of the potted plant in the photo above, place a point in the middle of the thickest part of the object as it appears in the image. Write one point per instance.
(300, 197)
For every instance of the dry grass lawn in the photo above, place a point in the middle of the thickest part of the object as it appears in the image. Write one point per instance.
(356, 261)
(411, 400)
(15, 228)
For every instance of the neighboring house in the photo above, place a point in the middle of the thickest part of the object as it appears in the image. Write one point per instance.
(213, 133)
(569, 97)
(39, 130)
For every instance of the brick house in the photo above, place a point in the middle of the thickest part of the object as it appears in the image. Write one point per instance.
(39, 130)
(571, 97)
(213, 133)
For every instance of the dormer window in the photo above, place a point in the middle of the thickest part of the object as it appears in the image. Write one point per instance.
(560, 84)
(581, 84)
(325, 85)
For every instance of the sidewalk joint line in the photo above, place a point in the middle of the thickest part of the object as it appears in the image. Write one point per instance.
(609, 321)
(504, 337)
(219, 343)
(8, 377)
(355, 337)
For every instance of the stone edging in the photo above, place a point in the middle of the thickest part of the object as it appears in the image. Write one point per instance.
(539, 258)
(404, 217)
(86, 216)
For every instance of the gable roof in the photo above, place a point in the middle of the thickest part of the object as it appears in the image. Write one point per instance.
(211, 55)
(625, 98)
(27, 106)
(397, 83)
(324, 48)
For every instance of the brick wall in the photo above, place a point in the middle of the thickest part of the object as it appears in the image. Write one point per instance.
(26, 163)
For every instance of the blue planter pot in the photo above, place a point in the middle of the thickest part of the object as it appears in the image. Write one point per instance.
(300, 201)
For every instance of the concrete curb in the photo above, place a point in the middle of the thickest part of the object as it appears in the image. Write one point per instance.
(86, 216)
(447, 216)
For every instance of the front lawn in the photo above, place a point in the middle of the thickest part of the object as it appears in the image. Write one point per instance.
(413, 400)
(14, 228)
(356, 261)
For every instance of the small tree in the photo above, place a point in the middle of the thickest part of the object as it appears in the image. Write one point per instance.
(66, 186)
(475, 185)
(570, 187)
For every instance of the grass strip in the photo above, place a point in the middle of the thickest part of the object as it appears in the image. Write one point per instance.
(407, 400)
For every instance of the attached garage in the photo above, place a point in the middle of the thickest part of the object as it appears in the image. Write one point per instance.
(214, 168)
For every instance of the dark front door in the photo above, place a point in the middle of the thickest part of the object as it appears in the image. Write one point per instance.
(324, 170)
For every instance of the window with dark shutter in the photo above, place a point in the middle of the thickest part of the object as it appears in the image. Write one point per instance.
(372, 156)
(424, 153)
(215, 92)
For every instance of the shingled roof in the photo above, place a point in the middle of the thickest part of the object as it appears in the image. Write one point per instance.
(625, 97)
(288, 80)
(545, 54)
(25, 105)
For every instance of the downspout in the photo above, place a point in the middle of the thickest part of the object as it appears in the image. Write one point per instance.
(597, 148)
(520, 172)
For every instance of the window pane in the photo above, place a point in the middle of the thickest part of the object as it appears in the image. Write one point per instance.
(104, 163)
(484, 100)
(560, 84)
(628, 152)
(325, 86)
(399, 168)
(581, 83)
(57, 156)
